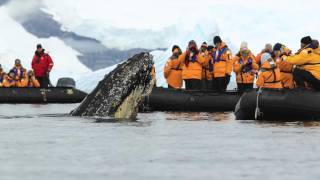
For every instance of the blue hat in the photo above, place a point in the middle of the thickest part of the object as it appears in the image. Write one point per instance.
(277, 47)
(265, 57)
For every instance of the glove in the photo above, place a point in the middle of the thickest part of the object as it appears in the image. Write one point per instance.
(48, 73)
(228, 77)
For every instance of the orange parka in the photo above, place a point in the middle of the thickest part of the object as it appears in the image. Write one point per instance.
(308, 60)
(206, 72)
(173, 72)
(192, 70)
(8, 82)
(222, 61)
(269, 76)
(245, 68)
(33, 82)
(286, 70)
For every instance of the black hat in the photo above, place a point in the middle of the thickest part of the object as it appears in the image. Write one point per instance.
(17, 61)
(175, 47)
(217, 39)
(210, 47)
(306, 40)
(192, 42)
(277, 47)
(39, 46)
(315, 43)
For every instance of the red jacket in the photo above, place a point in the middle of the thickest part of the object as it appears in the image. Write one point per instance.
(41, 64)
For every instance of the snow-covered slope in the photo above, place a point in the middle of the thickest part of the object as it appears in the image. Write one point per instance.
(15, 42)
(146, 23)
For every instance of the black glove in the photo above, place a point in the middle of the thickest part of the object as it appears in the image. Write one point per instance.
(228, 77)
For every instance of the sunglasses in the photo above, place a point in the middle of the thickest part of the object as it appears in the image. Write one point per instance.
(245, 52)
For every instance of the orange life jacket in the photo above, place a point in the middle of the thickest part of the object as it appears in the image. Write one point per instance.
(286, 70)
(191, 69)
(269, 76)
(173, 73)
(221, 61)
(245, 69)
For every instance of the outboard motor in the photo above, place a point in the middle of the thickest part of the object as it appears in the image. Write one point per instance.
(66, 82)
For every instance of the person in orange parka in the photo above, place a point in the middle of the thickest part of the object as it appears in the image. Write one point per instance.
(172, 69)
(269, 74)
(192, 62)
(20, 74)
(206, 81)
(32, 80)
(280, 52)
(8, 80)
(245, 68)
(222, 62)
(267, 49)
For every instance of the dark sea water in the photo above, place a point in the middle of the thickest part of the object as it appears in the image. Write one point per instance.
(40, 142)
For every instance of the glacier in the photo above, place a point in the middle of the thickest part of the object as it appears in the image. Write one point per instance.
(88, 82)
(15, 43)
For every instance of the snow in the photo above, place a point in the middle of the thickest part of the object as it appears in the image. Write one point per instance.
(15, 43)
(144, 23)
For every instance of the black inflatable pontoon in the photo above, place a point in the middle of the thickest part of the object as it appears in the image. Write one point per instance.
(163, 99)
(278, 105)
(65, 92)
(40, 95)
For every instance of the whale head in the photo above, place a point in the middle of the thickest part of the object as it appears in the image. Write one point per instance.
(121, 91)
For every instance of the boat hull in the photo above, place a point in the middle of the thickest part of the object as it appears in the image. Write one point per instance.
(279, 105)
(163, 99)
(41, 95)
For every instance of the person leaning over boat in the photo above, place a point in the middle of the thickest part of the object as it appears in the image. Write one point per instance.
(280, 51)
(20, 74)
(42, 65)
(2, 74)
(8, 80)
(307, 62)
(172, 69)
(32, 80)
(192, 62)
(267, 49)
(222, 65)
(245, 68)
(269, 74)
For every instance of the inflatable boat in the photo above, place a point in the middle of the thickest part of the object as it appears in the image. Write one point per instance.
(65, 92)
(277, 105)
(163, 99)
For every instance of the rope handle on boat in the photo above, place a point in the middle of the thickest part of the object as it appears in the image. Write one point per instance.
(258, 113)
(44, 95)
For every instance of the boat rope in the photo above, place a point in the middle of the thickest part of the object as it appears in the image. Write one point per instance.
(258, 113)
(44, 95)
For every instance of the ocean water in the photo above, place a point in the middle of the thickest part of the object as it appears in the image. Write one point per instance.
(43, 142)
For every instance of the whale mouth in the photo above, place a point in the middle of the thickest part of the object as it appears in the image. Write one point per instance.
(121, 91)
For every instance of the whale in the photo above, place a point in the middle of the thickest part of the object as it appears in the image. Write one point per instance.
(120, 93)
